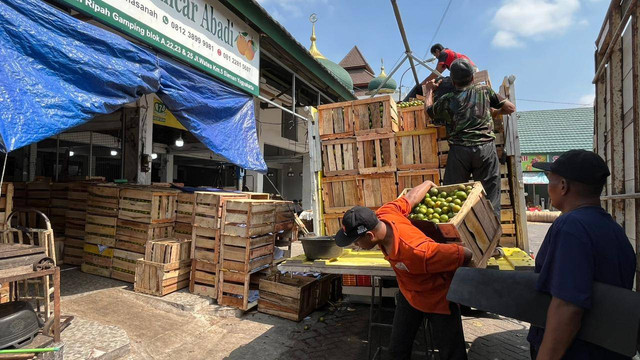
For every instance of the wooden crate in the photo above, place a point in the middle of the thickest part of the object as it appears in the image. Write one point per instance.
(377, 189)
(133, 236)
(19, 194)
(285, 217)
(247, 218)
(475, 225)
(417, 149)
(208, 207)
(412, 118)
(376, 153)
(97, 260)
(184, 207)
(73, 251)
(340, 193)
(375, 115)
(39, 194)
(235, 289)
(77, 194)
(413, 178)
(340, 157)
(148, 205)
(204, 278)
(505, 198)
(103, 199)
(123, 265)
(100, 230)
(168, 251)
(332, 223)
(291, 297)
(205, 245)
(75, 223)
(257, 196)
(246, 254)
(161, 279)
(335, 120)
(183, 231)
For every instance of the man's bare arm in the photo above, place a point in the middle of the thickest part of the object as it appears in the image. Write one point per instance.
(417, 194)
(506, 109)
(563, 322)
(440, 68)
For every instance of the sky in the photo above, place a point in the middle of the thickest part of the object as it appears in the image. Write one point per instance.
(547, 44)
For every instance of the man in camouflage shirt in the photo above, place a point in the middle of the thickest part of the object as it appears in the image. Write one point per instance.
(467, 114)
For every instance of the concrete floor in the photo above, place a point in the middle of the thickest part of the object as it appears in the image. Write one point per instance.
(112, 320)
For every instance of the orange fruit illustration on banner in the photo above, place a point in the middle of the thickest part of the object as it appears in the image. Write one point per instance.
(250, 52)
(242, 44)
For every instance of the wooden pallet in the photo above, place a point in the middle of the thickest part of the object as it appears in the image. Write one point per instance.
(375, 115)
(417, 149)
(377, 189)
(246, 254)
(376, 153)
(247, 218)
(205, 245)
(103, 199)
(475, 225)
(335, 120)
(340, 157)
(184, 209)
(413, 178)
(123, 265)
(412, 118)
(340, 193)
(234, 289)
(100, 230)
(204, 278)
(183, 231)
(291, 297)
(133, 236)
(148, 205)
(168, 251)
(208, 207)
(160, 279)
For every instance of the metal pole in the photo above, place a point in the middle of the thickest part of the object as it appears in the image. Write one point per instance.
(390, 75)
(57, 155)
(424, 63)
(396, 11)
(122, 120)
(282, 108)
(293, 94)
(90, 153)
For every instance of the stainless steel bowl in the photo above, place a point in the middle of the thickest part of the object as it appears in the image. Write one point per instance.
(320, 247)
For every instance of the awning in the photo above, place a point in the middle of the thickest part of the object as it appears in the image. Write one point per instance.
(537, 177)
(57, 72)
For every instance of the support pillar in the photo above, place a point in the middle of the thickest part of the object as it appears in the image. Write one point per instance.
(166, 168)
(138, 139)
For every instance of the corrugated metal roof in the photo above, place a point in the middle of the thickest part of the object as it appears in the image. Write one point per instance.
(555, 131)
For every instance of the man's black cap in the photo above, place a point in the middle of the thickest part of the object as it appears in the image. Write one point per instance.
(582, 166)
(355, 222)
(461, 71)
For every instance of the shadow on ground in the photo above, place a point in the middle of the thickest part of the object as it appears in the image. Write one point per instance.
(500, 345)
(75, 282)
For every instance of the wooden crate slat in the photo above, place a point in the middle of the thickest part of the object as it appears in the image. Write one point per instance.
(332, 223)
(340, 193)
(184, 207)
(160, 279)
(335, 120)
(148, 205)
(375, 115)
(168, 251)
(103, 199)
(412, 118)
(377, 189)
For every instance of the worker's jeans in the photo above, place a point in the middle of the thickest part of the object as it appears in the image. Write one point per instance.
(480, 161)
(448, 337)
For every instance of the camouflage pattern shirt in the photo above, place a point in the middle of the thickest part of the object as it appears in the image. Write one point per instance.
(467, 114)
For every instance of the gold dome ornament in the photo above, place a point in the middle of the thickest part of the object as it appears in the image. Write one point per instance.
(336, 70)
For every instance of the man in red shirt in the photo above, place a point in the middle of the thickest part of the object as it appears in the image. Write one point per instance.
(424, 270)
(445, 58)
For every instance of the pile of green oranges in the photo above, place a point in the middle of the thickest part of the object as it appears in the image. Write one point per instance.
(410, 103)
(440, 206)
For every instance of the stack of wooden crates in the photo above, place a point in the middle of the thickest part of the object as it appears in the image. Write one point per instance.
(145, 214)
(206, 214)
(246, 248)
(101, 216)
(370, 152)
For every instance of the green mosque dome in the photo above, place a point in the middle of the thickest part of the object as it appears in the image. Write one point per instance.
(338, 71)
(388, 88)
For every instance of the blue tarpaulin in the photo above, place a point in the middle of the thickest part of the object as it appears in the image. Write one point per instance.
(57, 72)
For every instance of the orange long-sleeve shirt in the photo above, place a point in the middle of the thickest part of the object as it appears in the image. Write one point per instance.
(424, 268)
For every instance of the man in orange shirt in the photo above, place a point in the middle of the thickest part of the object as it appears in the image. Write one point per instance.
(424, 270)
